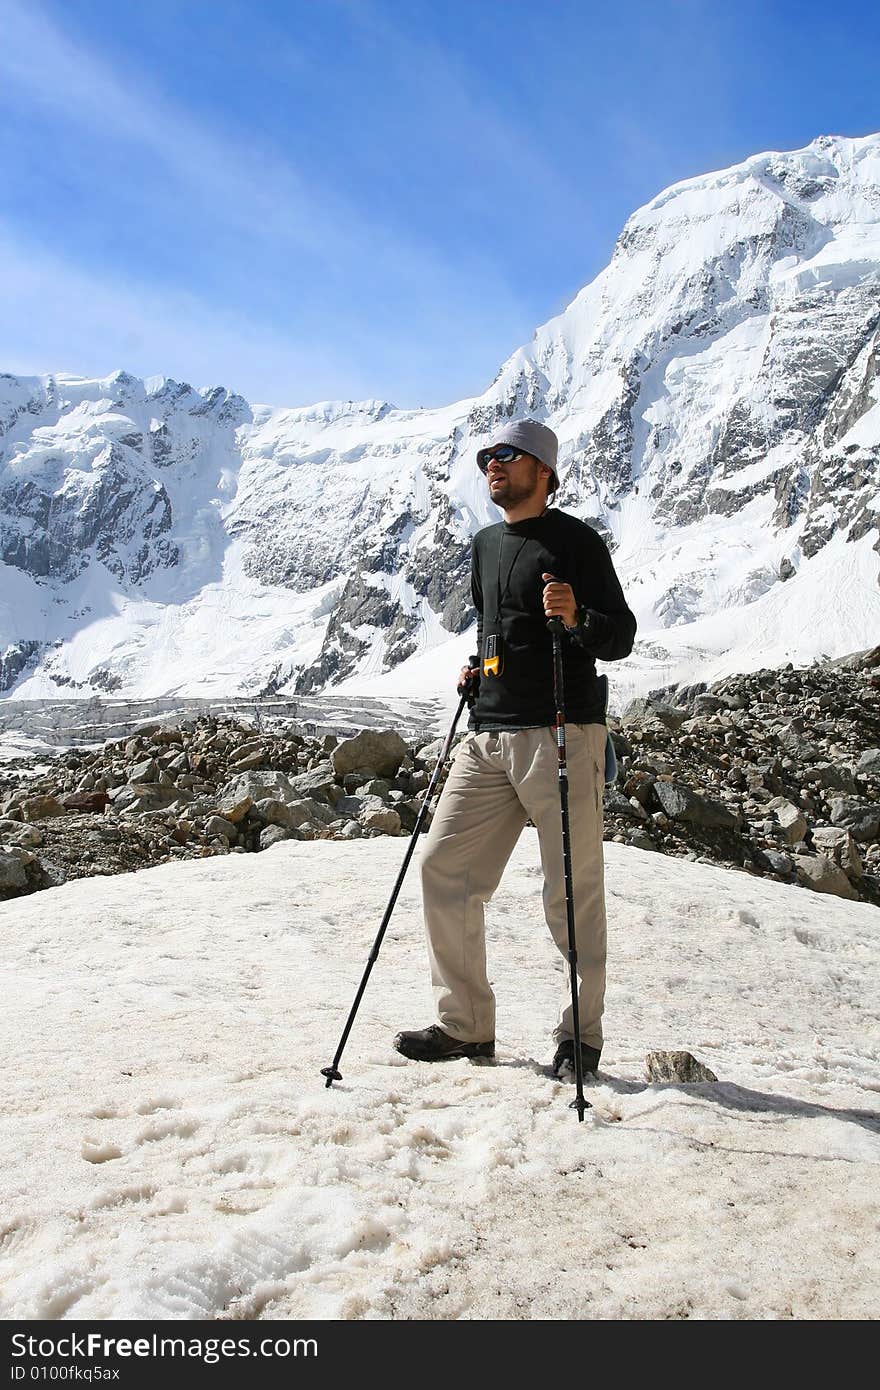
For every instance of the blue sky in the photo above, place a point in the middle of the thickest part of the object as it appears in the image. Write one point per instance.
(368, 198)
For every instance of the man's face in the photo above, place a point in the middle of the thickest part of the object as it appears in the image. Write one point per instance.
(514, 482)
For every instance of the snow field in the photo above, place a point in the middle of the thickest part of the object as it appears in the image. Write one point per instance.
(168, 1148)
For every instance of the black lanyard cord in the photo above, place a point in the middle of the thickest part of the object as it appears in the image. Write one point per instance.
(499, 595)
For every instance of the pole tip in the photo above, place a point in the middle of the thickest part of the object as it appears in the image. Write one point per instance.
(331, 1074)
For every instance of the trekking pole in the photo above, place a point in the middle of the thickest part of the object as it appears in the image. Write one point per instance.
(332, 1072)
(580, 1104)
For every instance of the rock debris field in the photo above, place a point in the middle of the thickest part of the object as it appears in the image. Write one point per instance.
(775, 773)
(168, 1148)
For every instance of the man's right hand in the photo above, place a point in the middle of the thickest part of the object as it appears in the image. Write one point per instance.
(468, 681)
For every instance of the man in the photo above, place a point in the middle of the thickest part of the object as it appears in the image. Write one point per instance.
(536, 564)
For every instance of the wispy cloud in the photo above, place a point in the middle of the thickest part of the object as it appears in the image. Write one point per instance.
(97, 324)
(316, 250)
(57, 317)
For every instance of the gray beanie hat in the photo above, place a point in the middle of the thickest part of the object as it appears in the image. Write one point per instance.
(532, 438)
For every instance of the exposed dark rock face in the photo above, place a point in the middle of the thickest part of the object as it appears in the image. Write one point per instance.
(725, 365)
(63, 506)
(16, 659)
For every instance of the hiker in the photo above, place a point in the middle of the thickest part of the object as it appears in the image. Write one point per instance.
(539, 563)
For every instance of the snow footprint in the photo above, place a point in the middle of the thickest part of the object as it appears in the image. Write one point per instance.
(99, 1150)
(154, 1103)
(15, 1234)
(123, 1197)
(166, 1129)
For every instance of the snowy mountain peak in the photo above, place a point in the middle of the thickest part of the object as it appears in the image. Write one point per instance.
(716, 392)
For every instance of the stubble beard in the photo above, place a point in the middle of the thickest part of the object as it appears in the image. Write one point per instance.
(506, 494)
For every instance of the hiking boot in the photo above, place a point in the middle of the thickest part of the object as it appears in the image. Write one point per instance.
(563, 1060)
(433, 1045)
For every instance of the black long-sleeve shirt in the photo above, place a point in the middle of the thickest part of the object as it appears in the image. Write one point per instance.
(507, 561)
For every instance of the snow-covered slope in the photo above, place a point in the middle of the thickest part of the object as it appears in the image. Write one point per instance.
(168, 1148)
(716, 391)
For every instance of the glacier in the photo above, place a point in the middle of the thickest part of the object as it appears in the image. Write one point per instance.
(716, 392)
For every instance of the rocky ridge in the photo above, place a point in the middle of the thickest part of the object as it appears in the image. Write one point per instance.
(775, 773)
(716, 393)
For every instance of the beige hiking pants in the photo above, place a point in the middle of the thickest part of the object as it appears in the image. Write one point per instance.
(496, 783)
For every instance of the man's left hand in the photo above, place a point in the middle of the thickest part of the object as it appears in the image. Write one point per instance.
(559, 601)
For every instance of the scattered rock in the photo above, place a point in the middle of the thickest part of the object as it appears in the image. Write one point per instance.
(218, 825)
(863, 821)
(791, 821)
(12, 870)
(676, 1066)
(823, 875)
(273, 833)
(279, 813)
(680, 803)
(378, 753)
(757, 771)
(41, 808)
(146, 771)
(86, 801)
(386, 821)
(649, 713)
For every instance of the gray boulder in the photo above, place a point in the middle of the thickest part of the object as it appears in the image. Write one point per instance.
(858, 817)
(280, 813)
(677, 1066)
(42, 808)
(145, 796)
(318, 782)
(27, 837)
(834, 776)
(370, 751)
(707, 704)
(13, 867)
(258, 786)
(640, 839)
(838, 844)
(868, 764)
(777, 862)
(790, 819)
(218, 825)
(350, 831)
(248, 761)
(383, 819)
(273, 833)
(618, 804)
(680, 803)
(377, 786)
(646, 713)
(321, 814)
(823, 875)
(146, 771)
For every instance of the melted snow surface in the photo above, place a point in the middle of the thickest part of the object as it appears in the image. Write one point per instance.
(169, 1150)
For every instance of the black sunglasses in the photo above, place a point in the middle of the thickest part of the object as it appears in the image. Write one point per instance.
(504, 453)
